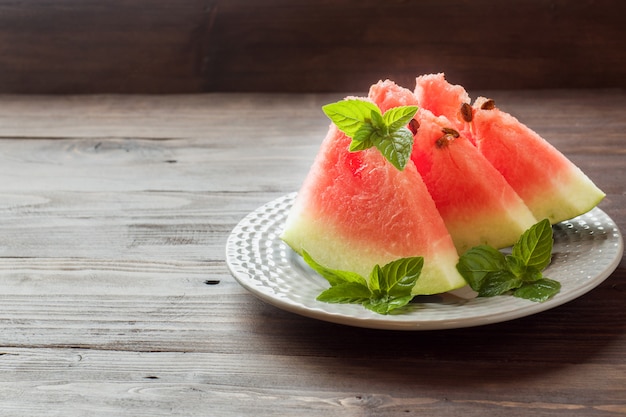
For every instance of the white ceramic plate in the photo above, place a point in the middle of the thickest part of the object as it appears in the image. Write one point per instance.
(587, 249)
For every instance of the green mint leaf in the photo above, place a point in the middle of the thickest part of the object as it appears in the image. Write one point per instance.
(377, 120)
(362, 139)
(534, 247)
(347, 292)
(539, 291)
(386, 305)
(349, 115)
(498, 283)
(333, 276)
(516, 265)
(478, 262)
(532, 274)
(399, 277)
(398, 117)
(489, 272)
(396, 147)
(376, 279)
(360, 146)
(364, 123)
(392, 284)
(388, 290)
(522, 271)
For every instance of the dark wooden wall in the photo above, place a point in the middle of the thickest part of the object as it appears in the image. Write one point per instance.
(180, 46)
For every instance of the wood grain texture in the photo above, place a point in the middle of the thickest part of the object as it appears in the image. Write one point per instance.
(157, 46)
(116, 299)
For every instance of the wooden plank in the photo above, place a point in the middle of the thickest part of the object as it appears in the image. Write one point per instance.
(75, 382)
(166, 305)
(228, 119)
(159, 225)
(176, 165)
(564, 117)
(116, 298)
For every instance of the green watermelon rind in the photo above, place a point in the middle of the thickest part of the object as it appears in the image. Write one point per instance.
(330, 247)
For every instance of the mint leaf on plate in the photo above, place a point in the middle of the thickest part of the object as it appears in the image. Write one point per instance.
(389, 288)
(479, 263)
(334, 277)
(540, 290)
(397, 278)
(490, 272)
(346, 292)
(534, 247)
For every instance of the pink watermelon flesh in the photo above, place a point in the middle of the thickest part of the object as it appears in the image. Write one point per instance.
(549, 184)
(476, 203)
(434, 93)
(355, 210)
(387, 94)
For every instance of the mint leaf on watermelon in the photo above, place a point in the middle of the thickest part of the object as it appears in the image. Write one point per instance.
(362, 138)
(398, 117)
(389, 287)
(363, 122)
(396, 147)
(349, 115)
(490, 272)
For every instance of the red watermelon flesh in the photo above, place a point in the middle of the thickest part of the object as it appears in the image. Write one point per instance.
(549, 184)
(387, 94)
(355, 210)
(476, 203)
(434, 93)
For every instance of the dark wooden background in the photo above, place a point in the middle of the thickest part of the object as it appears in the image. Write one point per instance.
(188, 46)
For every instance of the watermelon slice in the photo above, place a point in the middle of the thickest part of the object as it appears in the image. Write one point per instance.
(434, 93)
(476, 203)
(355, 210)
(550, 184)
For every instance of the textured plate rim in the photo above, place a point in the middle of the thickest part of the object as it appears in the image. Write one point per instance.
(410, 321)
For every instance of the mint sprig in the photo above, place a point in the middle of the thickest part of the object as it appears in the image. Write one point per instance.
(490, 272)
(363, 122)
(388, 288)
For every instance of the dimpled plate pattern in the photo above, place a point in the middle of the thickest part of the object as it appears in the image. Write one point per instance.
(587, 249)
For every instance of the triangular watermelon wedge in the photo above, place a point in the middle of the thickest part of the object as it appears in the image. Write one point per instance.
(355, 210)
(548, 182)
(476, 203)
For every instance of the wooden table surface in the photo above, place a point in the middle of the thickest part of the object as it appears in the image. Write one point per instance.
(116, 299)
